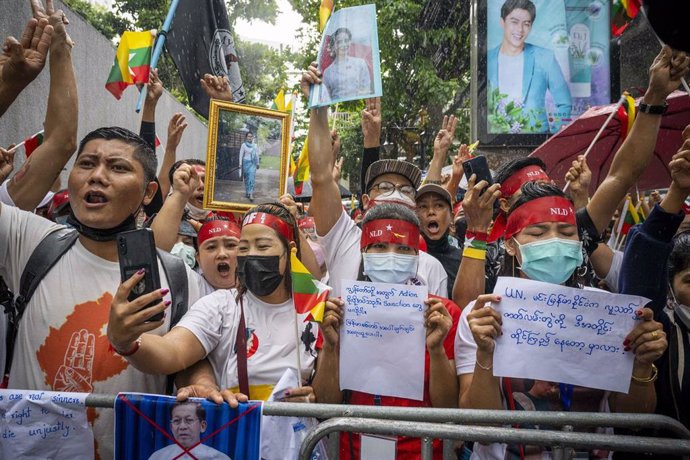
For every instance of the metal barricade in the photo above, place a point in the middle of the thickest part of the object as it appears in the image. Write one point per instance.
(466, 425)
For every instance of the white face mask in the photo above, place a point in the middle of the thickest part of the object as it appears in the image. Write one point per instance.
(389, 267)
(395, 197)
(196, 213)
(184, 252)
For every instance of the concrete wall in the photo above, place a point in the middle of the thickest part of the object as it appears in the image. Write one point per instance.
(92, 57)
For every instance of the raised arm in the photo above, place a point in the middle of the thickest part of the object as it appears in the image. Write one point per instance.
(442, 143)
(176, 128)
(634, 155)
(371, 130)
(28, 187)
(22, 61)
(167, 221)
(325, 201)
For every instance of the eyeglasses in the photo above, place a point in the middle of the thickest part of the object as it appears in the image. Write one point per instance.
(187, 421)
(386, 188)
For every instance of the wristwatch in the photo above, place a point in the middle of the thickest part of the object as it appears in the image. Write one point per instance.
(653, 109)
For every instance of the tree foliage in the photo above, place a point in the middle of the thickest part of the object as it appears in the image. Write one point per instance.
(425, 59)
(263, 68)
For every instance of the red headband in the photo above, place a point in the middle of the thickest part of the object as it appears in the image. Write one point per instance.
(390, 231)
(271, 221)
(214, 228)
(531, 173)
(547, 209)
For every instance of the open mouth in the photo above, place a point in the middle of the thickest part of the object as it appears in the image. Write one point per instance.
(95, 197)
(433, 227)
(223, 268)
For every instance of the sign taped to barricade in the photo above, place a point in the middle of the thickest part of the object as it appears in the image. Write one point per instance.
(44, 424)
(160, 428)
(382, 339)
(567, 335)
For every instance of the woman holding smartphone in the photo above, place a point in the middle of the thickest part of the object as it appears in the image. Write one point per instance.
(247, 334)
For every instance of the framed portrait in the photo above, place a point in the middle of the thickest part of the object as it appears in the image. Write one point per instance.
(348, 58)
(247, 157)
(540, 64)
(158, 427)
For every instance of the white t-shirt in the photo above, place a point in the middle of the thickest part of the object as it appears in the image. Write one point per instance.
(271, 341)
(343, 257)
(614, 273)
(465, 359)
(510, 70)
(62, 343)
(200, 452)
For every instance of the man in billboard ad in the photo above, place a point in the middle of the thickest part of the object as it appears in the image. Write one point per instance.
(547, 63)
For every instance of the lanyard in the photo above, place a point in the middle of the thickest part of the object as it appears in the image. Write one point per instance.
(566, 395)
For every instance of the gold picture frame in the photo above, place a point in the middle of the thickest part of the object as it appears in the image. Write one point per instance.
(240, 175)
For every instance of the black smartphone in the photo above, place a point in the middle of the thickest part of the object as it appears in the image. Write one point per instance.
(136, 250)
(479, 166)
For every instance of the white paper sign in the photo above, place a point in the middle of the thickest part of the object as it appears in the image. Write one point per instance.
(566, 335)
(44, 424)
(382, 339)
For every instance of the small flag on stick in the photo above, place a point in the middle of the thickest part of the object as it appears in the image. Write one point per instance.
(325, 11)
(32, 143)
(308, 293)
(132, 61)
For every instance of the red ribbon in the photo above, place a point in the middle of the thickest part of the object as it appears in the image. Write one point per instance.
(214, 228)
(271, 221)
(531, 173)
(547, 209)
(390, 231)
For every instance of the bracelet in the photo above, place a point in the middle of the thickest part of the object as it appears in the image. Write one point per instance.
(135, 348)
(650, 379)
(653, 109)
(473, 253)
(487, 368)
(434, 182)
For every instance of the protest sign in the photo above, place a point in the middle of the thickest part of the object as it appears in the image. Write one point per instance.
(349, 58)
(44, 424)
(382, 339)
(567, 335)
(159, 428)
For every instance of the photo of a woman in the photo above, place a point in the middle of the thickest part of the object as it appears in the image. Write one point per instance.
(348, 75)
(249, 162)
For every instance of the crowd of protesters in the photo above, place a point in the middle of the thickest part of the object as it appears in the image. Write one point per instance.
(80, 331)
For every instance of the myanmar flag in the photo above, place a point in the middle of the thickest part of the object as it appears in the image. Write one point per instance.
(293, 166)
(308, 293)
(132, 61)
(325, 11)
(622, 14)
(32, 143)
(631, 218)
(279, 102)
(302, 171)
(626, 114)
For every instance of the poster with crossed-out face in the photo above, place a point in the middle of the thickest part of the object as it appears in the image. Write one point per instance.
(160, 428)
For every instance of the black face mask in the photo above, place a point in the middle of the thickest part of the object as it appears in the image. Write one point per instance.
(260, 274)
(98, 234)
(460, 230)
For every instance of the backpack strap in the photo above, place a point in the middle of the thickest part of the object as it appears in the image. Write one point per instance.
(42, 260)
(176, 273)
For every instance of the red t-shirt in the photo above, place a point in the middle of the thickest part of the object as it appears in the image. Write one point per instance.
(406, 448)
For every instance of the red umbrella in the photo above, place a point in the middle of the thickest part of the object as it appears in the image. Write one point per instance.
(563, 147)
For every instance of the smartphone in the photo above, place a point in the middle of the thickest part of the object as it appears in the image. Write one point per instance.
(479, 166)
(136, 250)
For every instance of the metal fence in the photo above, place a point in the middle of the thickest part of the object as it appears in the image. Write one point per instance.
(471, 425)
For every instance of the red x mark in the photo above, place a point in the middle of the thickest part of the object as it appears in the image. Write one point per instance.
(165, 432)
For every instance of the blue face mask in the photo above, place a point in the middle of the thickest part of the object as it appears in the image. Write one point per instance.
(389, 267)
(551, 261)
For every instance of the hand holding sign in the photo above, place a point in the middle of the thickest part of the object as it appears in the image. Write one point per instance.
(485, 322)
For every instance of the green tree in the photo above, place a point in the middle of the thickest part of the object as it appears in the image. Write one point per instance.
(425, 60)
(263, 68)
